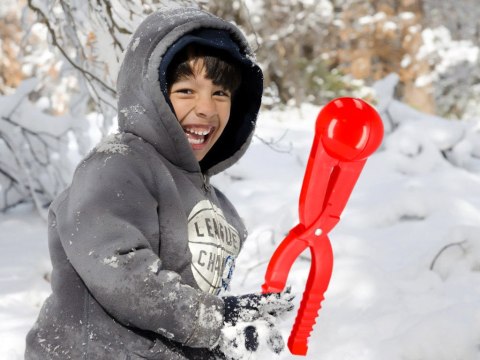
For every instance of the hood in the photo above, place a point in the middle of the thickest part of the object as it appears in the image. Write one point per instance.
(144, 111)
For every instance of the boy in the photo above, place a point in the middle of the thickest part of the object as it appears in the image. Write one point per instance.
(141, 244)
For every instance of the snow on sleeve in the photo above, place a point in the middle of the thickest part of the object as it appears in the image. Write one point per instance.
(135, 43)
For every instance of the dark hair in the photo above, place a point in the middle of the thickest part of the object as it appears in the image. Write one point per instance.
(216, 63)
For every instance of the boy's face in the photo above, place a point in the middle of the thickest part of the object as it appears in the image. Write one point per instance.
(202, 108)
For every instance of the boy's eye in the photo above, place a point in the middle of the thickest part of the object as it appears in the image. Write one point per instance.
(183, 91)
(222, 93)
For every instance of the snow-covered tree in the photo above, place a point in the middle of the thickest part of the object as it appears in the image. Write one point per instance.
(452, 44)
(34, 146)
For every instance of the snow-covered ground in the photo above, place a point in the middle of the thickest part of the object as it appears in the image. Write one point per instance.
(406, 279)
(23, 268)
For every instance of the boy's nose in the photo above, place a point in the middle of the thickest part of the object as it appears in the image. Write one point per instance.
(205, 107)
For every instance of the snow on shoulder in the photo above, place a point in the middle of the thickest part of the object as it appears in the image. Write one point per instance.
(112, 145)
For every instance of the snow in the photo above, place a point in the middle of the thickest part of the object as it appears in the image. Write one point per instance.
(112, 145)
(407, 15)
(111, 261)
(445, 52)
(23, 288)
(406, 278)
(154, 267)
(135, 43)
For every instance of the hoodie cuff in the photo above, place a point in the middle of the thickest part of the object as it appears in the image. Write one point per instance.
(209, 322)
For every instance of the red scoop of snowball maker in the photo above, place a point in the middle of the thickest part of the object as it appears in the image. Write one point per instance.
(347, 132)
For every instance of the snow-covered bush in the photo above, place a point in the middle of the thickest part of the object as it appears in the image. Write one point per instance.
(455, 69)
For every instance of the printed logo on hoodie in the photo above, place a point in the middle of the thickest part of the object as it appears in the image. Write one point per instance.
(214, 245)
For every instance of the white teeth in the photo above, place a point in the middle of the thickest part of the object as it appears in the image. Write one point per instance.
(197, 136)
(198, 132)
(196, 141)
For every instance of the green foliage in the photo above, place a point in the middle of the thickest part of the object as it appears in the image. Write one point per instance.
(321, 82)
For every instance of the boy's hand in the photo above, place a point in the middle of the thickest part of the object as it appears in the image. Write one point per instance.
(250, 307)
(250, 324)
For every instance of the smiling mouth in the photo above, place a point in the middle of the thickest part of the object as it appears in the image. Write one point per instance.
(198, 135)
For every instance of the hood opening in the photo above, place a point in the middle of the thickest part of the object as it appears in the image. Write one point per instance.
(245, 102)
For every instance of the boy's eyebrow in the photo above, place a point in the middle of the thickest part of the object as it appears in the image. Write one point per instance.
(183, 78)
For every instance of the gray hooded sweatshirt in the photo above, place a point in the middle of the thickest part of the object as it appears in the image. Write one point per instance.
(140, 243)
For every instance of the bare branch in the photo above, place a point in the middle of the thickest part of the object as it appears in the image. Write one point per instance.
(273, 143)
(435, 259)
(251, 268)
(88, 75)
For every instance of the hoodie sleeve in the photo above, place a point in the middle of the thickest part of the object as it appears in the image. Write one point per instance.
(104, 224)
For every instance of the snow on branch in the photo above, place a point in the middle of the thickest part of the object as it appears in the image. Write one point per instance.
(35, 165)
(72, 35)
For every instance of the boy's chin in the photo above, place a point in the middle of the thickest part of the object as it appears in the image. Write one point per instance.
(199, 155)
(200, 150)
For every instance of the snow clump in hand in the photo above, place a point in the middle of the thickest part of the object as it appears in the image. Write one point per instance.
(233, 339)
(253, 328)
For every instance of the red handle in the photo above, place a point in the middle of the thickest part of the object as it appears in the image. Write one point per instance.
(317, 284)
